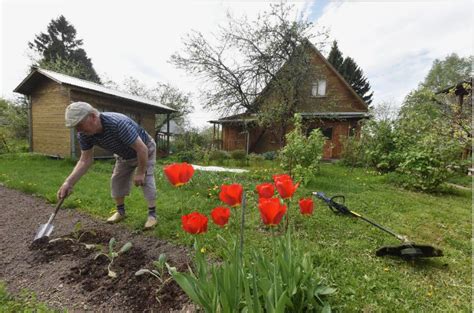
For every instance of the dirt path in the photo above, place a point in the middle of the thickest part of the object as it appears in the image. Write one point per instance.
(65, 275)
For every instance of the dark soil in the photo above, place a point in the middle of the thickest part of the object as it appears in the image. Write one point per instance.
(67, 270)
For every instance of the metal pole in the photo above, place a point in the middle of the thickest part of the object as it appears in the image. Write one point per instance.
(168, 134)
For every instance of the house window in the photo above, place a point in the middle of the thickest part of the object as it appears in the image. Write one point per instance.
(352, 131)
(327, 132)
(319, 88)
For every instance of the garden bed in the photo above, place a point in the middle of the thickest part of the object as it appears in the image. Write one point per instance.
(65, 274)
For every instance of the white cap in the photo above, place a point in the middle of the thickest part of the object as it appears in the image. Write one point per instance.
(75, 113)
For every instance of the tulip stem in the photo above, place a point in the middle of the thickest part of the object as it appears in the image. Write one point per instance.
(287, 220)
(241, 250)
(242, 222)
(274, 266)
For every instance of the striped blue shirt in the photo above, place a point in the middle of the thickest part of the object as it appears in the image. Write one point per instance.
(119, 132)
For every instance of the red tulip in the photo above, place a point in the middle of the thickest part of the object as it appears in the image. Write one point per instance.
(194, 223)
(306, 206)
(179, 173)
(220, 216)
(231, 194)
(265, 190)
(285, 187)
(281, 177)
(271, 211)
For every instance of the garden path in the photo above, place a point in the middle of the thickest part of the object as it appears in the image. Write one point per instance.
(66, 276)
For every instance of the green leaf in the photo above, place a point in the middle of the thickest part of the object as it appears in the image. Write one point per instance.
(141, 272)
(324, 291)
(326, 308)
(112, 243)
(162, 258)
(282, 302)
(126, 247)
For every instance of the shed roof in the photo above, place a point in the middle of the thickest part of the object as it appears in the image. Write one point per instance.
(29, 83)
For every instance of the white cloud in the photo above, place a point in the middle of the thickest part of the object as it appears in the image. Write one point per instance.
(395, 42)
(123, 38)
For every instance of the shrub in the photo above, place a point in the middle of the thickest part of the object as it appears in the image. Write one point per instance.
(301, 155)
(186, 156)
(218, 155)
(238, 154)
(256, 158)
(378, 144)
(429, 163)
(270, 155)
(352, 152)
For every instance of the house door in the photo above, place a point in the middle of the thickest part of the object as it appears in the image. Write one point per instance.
(328, 144)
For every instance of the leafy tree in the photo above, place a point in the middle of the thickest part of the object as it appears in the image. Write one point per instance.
(14, 117)
(165, 94)
(351, 72)
(248, 59)
(13, 125)
(59, 50)
(429, 153)
(449, 72)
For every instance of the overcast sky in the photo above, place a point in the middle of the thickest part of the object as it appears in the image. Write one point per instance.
(394, 42)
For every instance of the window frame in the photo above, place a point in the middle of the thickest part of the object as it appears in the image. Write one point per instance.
(317, 86)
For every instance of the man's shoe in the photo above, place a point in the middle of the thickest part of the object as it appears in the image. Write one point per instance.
(117, 217)
(150, 222)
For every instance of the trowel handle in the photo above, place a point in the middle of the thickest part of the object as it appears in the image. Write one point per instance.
(60, 202)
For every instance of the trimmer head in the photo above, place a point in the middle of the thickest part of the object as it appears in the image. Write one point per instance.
(410, 251)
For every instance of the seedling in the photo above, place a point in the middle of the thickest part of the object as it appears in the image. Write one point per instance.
(158, 272)
(112, 254)
(76, 236)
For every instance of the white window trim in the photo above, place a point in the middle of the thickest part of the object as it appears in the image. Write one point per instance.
(319, 88)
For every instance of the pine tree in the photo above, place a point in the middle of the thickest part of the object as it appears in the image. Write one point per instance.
(355, 78)
(351, 72)
(335, 56)
(59, 50)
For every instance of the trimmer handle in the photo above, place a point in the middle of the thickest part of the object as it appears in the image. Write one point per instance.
(335, 206)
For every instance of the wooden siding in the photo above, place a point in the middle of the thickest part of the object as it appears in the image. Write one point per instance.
(339, 97)
(340, 129)
(236, 138)
(49, 135)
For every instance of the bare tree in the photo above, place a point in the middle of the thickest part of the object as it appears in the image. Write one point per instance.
(165, 94)
(247, 61)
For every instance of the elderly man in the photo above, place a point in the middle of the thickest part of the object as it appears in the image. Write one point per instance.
(134, 149)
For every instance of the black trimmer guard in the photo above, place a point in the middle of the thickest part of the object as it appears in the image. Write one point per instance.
(410, 251)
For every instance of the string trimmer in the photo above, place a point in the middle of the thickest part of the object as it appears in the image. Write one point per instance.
(407, 250)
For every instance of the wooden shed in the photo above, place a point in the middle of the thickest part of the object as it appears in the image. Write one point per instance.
(49, 93)
(330, 105)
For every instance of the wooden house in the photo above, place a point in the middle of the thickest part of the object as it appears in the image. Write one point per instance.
(330, 105)
(49, 93)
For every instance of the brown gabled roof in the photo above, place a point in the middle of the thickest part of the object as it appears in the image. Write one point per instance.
(238, 118)
(336, 72)
(30, 82)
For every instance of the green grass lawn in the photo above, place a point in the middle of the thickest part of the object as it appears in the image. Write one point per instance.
(344, 247)
(25, 302)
